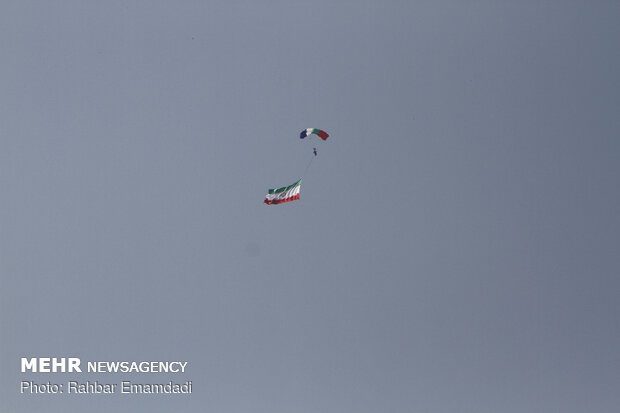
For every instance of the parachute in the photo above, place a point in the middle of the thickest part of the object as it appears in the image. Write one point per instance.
(291, 192)
(310, 131)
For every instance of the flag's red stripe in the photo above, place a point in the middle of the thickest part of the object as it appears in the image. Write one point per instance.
(281, 201)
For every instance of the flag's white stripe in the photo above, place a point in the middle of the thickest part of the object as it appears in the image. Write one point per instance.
(284, 195)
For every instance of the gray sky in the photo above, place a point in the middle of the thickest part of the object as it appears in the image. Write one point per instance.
(455, 248)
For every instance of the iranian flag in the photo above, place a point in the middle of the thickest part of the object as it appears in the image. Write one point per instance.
(284, 194)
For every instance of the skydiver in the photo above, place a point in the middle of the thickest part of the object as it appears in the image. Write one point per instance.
(314, 150)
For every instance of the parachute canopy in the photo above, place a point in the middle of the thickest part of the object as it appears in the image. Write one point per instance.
(320, 133)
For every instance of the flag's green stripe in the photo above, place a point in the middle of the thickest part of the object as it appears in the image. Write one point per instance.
(285, 188)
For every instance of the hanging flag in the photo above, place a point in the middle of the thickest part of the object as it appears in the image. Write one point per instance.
(284, 194)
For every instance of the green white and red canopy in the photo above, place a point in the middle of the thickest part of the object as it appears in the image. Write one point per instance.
(314, 131)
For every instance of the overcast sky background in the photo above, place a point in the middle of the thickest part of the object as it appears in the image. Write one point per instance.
(455, 248)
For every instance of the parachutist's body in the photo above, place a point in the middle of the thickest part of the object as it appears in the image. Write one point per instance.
(314, 150)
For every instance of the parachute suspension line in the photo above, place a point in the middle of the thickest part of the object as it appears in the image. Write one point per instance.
(308, 166)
